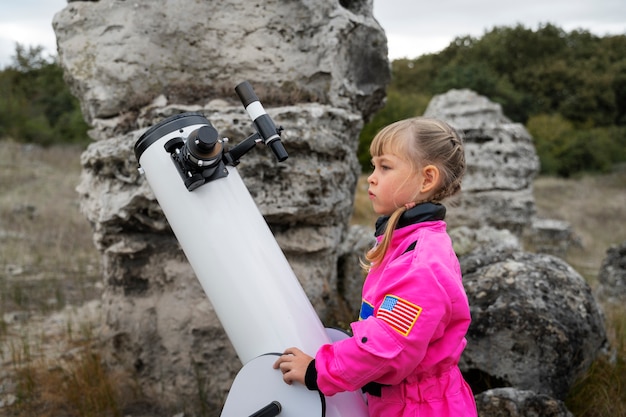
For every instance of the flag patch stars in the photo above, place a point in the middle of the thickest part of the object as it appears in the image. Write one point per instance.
(400, 314)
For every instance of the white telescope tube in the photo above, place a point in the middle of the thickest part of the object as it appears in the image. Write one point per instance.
(244, 273)
(241, 268)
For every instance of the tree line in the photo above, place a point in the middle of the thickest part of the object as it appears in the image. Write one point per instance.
(567, 88)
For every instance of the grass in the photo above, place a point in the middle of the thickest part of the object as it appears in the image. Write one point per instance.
(47, 257)
(601, 391)
(48, 264)
(81, 386)
(595, 206)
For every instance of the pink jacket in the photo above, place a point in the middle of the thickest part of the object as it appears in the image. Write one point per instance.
(410, 333)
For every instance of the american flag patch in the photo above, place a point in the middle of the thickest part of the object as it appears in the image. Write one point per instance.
(400, 314)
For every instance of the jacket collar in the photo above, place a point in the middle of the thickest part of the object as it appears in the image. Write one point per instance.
(423, 212)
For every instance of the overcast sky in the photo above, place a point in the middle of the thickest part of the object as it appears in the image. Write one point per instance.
(413, 27)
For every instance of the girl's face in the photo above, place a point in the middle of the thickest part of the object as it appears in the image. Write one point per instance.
(392, 184)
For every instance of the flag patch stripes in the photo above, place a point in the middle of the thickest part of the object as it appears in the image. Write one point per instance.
(400, 314)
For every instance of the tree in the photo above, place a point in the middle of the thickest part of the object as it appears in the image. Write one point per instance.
(576, 78)
(36, 105)
(398, 107)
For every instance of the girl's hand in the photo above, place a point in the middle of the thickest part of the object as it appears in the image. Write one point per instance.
(293, 364)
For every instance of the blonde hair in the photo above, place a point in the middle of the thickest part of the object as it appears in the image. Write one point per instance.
(420, 141)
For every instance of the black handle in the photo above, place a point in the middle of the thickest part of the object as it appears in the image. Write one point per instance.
(271, 410)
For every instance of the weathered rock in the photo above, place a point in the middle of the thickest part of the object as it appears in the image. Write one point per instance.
(501, 160)
(554, 237)
(511, 402)
(612, 276)
(119, 56)
(466, 240)
(535, 324)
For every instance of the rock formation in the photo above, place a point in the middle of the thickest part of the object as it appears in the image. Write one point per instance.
(501, 159)
(535, 324)
(133, 64)
(612, 276)
(511, 402)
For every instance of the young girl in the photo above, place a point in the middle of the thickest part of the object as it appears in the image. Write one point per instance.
(414, 315)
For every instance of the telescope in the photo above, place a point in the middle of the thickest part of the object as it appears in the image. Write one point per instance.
(242, 270)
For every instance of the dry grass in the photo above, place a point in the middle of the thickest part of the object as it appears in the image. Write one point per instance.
(48, 263)
(595, 206)
(47, 257)
(362, 212)
(601, 391)
(83, 388)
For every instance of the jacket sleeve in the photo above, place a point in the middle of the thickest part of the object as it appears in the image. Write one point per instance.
(380, 350)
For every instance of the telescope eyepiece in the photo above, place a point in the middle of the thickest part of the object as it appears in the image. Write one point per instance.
(262, 121)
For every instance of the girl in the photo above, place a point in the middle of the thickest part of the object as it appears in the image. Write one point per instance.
(414, 315)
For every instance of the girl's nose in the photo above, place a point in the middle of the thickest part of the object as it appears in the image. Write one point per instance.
(370, 179)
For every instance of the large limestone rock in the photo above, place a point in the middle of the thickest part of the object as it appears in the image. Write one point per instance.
(501, 161)
(132, 64)
(535, 323)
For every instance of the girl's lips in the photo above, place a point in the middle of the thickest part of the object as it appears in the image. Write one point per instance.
(371, 195)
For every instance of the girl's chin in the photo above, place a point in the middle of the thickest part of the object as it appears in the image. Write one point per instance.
(382, 212)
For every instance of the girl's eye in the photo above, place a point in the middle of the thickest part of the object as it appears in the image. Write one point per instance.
(385, 167)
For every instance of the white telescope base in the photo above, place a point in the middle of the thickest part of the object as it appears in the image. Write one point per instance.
(258, 384)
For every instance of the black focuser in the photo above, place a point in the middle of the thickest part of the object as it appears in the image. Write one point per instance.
(204, 147)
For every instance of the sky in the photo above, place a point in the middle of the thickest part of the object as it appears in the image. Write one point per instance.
(413, 27)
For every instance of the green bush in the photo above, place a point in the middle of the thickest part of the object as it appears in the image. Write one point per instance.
(36, 105)
(565, 150)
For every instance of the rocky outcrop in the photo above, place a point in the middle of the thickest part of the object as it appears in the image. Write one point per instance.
(132, 64)
(511, 402)
(501, 160)
(522, 334)
(535, 323)
(554, 237)
(612, 276)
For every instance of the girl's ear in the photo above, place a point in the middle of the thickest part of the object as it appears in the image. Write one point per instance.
(431, 179)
